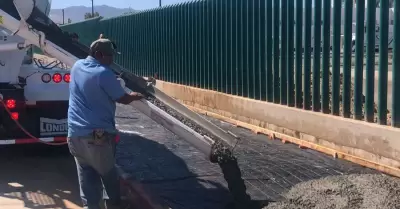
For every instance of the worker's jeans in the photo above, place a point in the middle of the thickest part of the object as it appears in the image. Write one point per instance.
(95, 163)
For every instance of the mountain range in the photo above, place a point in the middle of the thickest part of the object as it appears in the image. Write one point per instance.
(77, 13)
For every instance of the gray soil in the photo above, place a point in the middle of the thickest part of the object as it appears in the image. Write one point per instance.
(367, 191)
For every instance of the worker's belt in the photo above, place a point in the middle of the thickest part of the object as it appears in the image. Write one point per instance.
(101, 137)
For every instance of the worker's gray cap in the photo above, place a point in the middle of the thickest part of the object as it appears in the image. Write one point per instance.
(104, 46)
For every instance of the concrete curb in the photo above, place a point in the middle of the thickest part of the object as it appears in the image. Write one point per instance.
(135, 193)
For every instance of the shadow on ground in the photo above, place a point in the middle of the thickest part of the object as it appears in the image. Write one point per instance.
(168, 177)
(37, 176)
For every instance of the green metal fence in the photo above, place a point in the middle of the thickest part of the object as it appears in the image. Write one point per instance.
(249, 48)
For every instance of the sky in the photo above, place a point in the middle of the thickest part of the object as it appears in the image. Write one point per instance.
(134, 4)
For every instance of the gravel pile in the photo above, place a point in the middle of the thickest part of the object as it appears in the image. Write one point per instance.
(367, 191)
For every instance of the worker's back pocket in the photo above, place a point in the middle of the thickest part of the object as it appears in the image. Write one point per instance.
(98, 153)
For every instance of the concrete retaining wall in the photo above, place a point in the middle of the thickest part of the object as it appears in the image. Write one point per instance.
(368, 144)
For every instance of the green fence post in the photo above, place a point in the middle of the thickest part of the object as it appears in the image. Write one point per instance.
(268, 68)
(326, 55)
(359, 60)
(307, 55)
(348, 20)
(256, 49)
(192, 48)
(276, 9)
(250, 47)
(370, 61)
(290, 53)
(246, 50)
(383, 62)
(396, 67)
(316, 103)
(241, 41)
(228, 46)
(181, 44)
(299, 54)
(263, 50)
(209, 44)
(283, 53)
(336, 57)
(234, 47)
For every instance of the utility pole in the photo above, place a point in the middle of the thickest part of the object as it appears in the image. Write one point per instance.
(63, 17)
(93, 8)
(160, 3)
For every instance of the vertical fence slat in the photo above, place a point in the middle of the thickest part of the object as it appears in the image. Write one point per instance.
(181, 43)
(228, 46)
(203, 43)
(276, 50)
(157, 29)
(307, 55)
(336, 57)
(256, 49)
(370, 61)
(383, 62)
(209, 44)
(326, 37)
(268, 68)
(263, 50)
(240, 42)
(283, 53)
(234, 46)
(214, 69)
(290, 54)
(316, 103)
(359, 60)
(223, 53)
(299, 54)
(396, 67)
(192, 48)
(194, 37)
(247, 43)
(170, 56)
(151, 51)
(347, 56)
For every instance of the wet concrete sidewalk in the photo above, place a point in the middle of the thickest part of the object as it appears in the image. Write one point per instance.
(181, 177)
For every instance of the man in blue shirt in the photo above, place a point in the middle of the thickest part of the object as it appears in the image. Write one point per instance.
(94, 91)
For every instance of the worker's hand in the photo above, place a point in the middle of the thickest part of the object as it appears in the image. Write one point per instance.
(136, 96)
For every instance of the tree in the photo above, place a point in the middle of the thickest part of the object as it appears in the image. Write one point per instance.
(89, 15)
(69, 20)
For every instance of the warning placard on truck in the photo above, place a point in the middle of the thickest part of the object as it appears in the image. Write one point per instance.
(1, 20)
